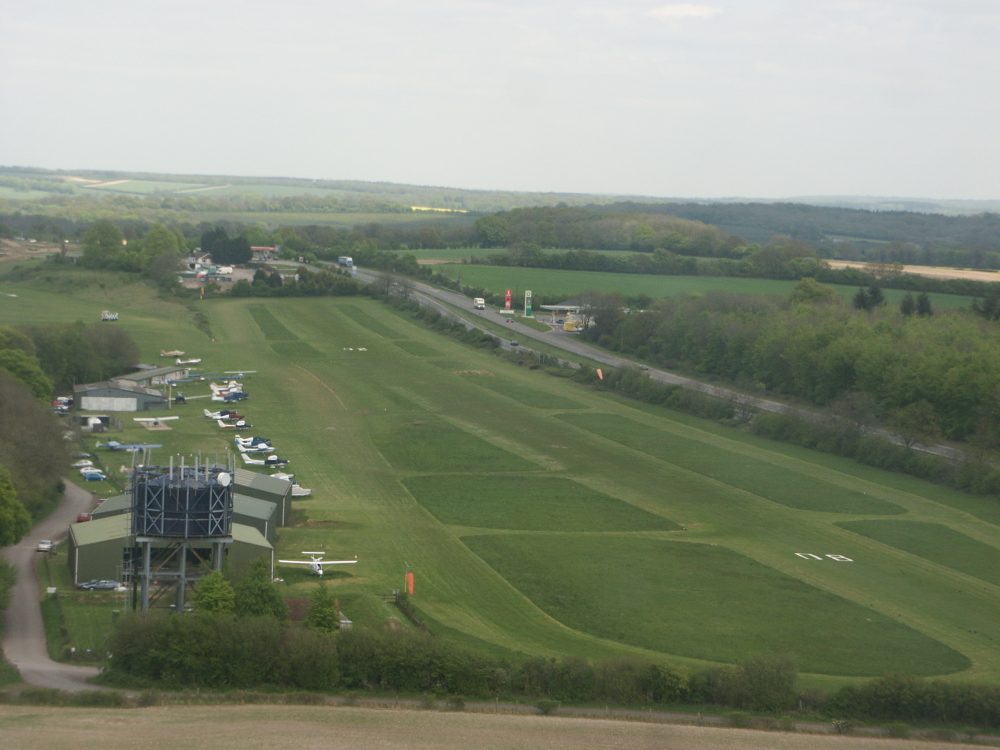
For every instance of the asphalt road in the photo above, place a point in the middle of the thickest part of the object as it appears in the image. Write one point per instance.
(434, 296)
(24, 635)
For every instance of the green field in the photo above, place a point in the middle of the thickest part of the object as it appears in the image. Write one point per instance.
(552, 284)
(144, 187)
(543, 517)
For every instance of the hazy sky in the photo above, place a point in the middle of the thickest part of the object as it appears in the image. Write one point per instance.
(756, 98)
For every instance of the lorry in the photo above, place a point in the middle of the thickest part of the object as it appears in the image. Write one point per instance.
(479, 303)
(346, 261)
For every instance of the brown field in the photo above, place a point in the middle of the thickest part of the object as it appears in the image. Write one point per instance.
(936, 272)
(304, 727)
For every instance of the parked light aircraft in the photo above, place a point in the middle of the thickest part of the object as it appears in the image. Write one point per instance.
(316, 562)
(222, 414)
(255, 440)
(228, 387)
(171, 353)
(114, 445)
(258, 448)
(269, 461)
(239, 424)
(192, 361)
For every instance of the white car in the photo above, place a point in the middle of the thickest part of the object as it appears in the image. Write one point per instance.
(45, 545)
(83, 463)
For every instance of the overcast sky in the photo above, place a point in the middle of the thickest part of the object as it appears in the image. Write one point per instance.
(754, 98)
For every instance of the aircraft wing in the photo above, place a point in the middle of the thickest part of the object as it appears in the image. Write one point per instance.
(251, 461)
(321, 563)
(297, 562)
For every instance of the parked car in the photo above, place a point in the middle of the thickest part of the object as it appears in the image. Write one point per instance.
(82, 517)
(83, 463)
(102, 585)
(45, 545)
(92, 475)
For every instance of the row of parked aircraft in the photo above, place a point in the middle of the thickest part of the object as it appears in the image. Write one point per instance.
(257, 450)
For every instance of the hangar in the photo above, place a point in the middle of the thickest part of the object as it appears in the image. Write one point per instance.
(117, 395)
(104, 546)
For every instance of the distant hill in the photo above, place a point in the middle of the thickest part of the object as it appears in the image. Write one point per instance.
(905, 230)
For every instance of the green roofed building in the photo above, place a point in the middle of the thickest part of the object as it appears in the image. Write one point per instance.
(263, 487)
(113, 506)
(260, 514)
(100, 548)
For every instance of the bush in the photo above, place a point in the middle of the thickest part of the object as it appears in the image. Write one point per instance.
(147, 698)
(738, 719)
(98, 699)
(842, 726)
(547, 707)
(898, 729)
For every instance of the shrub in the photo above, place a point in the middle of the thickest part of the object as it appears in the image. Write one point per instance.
(547, 707)
(738, 719)
(898, 729)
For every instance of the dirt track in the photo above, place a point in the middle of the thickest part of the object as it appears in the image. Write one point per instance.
(305, 727)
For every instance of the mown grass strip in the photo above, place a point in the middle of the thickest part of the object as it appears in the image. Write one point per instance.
(705, 601)
(776, 483)
(934, 542)
(272, 328)
(529, 504)
(432, 445)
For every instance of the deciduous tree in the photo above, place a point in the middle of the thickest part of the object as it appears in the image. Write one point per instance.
(14, 518)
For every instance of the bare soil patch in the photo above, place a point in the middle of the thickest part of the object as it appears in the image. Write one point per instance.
(936, 272)
(306, 727)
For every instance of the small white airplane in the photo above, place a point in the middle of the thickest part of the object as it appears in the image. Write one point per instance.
(256, 448)
(297, 489)
(192, 361)
(316, 562)
(240, 424)
(272, 460)
(171, 353)
(223, 388)
(252, 440)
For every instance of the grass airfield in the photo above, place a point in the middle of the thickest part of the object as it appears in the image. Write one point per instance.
(542, 517)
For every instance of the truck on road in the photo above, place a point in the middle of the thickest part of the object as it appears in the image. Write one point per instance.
(479, 303)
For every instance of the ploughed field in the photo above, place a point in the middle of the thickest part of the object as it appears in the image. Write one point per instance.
(543, 517)
(296, 727)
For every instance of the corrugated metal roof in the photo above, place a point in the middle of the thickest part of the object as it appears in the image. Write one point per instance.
(115, 504)
(253, 507)
(243, 534)
(262, 482)
(100, 530)
(155, 373)
(111, 528)
(111, 386)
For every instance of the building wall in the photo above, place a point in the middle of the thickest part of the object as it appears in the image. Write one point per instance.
(109, 403)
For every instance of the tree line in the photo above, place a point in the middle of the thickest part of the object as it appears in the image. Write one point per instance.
(34, 362)
(223, 650)
(930, 376)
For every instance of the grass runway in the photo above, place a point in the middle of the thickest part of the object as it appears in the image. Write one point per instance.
(542, 517)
